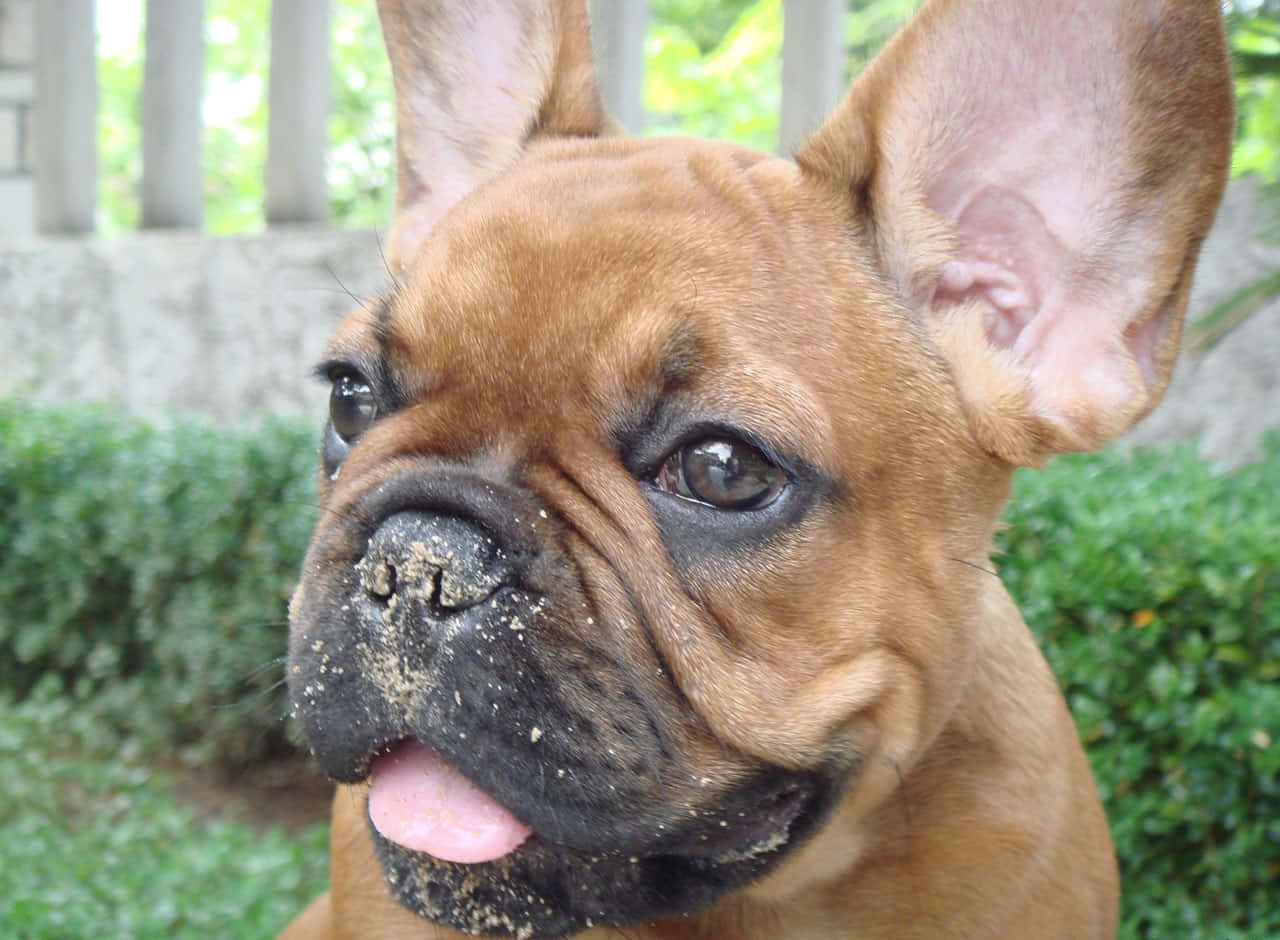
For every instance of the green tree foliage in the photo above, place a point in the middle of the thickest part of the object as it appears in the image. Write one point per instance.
(235, 112)
(712, 70)
(703, 21)
(730, 90)
(361, 160)
(1255, 41)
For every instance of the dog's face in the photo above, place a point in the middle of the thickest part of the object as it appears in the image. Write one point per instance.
(654, 506)
(641, 456)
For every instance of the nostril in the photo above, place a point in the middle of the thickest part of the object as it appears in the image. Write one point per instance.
(383, 583)
(436, 564)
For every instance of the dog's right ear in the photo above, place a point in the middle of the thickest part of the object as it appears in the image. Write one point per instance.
(475, 81)
(1036, 178)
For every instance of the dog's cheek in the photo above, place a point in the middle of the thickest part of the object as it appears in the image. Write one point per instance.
(863, 626)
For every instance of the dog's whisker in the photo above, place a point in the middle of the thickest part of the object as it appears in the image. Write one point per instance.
(346, 290)
(333, 290)
(339, 513)
(970, 564)
(247, 701)
(386, 264)
(550, 804)
(321, 509)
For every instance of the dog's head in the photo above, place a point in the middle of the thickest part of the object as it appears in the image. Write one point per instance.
(657, 492)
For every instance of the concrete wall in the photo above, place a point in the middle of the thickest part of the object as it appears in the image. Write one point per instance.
(169, 322)
(17, 95)
(229, 328)
(1231, 395)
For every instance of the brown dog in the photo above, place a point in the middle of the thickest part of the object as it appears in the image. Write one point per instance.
(653, 587)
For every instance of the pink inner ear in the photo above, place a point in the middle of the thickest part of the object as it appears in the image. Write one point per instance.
(468, 91)
(1022, 126)
(1034, 174)
(1005, 253)
(1039, 176)
(476, 121)
(1065, 324)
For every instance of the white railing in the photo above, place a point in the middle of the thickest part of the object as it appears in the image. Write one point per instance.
(51, 184)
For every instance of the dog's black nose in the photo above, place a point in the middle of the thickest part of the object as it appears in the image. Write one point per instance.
(445, 562)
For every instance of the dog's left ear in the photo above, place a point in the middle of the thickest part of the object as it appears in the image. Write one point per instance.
(1038, 178)
(476, 81)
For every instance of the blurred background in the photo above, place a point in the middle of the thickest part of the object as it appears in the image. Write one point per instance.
(191, 196)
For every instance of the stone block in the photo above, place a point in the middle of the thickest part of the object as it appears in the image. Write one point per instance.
(17, 85)
(17, 205)
(10, 139)
(17, 33)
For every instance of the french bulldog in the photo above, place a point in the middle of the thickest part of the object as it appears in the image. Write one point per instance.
(652, 593)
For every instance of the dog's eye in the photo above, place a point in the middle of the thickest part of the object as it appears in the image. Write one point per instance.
(722, 472)
(351, 406)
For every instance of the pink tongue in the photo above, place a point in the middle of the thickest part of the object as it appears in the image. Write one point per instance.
(418, 801)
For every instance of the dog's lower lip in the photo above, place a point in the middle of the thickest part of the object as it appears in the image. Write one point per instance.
(768, 825)
(783, 808)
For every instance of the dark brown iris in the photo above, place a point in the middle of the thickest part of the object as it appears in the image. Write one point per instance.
(722, 472)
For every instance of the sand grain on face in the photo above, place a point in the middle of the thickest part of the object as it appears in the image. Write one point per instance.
(473, 907)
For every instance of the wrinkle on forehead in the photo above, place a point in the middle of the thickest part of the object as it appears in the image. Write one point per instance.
(595, 277)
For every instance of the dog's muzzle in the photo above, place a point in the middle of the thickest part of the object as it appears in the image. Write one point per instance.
(446, 638)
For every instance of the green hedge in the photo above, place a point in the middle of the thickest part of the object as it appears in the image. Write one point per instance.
(1154, 587)
(150, 569)
(146, 570)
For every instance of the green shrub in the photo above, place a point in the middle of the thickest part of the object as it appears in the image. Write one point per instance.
(92, 844)
(144, 571)
(1153, 584)
(150, 568)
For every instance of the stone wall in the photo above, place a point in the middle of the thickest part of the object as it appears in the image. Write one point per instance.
(171, 322)
(162, 323)
(1229, 396)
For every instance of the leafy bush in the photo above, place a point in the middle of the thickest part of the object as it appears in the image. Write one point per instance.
(145, 573)
(150, 569)
(1153, 584)
(92, 845)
